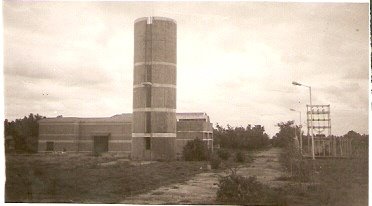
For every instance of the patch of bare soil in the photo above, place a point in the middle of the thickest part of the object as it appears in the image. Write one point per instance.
(202, 188)
(71, 178)
(266, 167)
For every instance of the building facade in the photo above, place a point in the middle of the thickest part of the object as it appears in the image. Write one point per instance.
(114, 134)
(192, 126)
(154, 131)
(92, 135)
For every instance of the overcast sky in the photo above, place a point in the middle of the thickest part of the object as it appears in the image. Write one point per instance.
(235, 61)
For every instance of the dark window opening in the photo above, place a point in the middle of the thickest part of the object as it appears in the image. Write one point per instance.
(148, 96)
(148, 143)
(100, 144)
(148, 73)
(50, 146)
(148, 122)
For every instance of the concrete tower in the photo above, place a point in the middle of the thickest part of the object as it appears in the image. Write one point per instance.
(154, 89)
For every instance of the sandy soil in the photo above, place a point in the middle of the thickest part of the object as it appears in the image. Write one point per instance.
(202, 188)
(82, 178)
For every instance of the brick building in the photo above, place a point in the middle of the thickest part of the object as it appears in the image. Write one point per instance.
(154, 130)
(113, 134)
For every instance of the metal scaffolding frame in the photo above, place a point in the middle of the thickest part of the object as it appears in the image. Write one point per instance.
(319, 127)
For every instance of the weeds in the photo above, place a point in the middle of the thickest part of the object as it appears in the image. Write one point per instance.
(236, 189)
(299, 169)
(215, 162)
(223, 154)
(195, 150)
(239, 157)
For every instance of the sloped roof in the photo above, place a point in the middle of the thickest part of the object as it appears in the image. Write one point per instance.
(125, 117)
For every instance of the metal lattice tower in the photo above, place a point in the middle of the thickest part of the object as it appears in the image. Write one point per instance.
(319, 126)
(321, 120)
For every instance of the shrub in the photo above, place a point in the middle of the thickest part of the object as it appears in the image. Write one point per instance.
(223, 154)
(195, 150)
(239, 157)
(249, 158)
(298, 168)
(215, 162)
(236, 189)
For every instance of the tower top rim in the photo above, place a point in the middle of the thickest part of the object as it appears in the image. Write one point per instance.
(158, 18)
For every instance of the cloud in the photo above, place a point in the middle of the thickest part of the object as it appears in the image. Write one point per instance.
(236, 61)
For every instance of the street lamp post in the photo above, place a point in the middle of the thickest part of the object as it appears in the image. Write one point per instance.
(293, 110)
(311, 118)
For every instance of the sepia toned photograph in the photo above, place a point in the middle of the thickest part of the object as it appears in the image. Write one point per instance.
(186, 103)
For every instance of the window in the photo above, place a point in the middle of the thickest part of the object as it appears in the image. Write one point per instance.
(148, 122)
(148, 143)
(148, 73)
(148, 86)
(50, 146)
(148, 96)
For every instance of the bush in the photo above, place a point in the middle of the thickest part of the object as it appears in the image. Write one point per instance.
(249, 158)
(239, 157)
(223, 154)
(215, 162)
(236, 189)
(298, 168)
(195, 150)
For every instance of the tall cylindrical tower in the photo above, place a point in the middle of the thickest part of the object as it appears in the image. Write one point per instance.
(154, 88)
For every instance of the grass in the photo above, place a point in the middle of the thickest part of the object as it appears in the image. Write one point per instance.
(230, 162)
(81, 178)
(342, 181)
(237, 189)
(332, 181)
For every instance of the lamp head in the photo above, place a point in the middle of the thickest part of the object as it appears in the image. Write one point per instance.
(296, 83)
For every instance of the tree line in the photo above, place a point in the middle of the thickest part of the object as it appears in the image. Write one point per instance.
(288, 130)
(25, 132)
(241, 137)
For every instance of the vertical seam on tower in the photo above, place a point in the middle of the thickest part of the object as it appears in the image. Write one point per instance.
(148, 55)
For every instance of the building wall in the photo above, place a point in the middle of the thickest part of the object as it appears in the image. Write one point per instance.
(78, 135)
(188, 130)
(154, 89)
(62, 133)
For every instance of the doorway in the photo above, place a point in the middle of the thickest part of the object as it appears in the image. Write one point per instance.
(100, 144)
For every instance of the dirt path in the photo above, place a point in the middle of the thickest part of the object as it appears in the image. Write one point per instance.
(202, 188)
(266, 167)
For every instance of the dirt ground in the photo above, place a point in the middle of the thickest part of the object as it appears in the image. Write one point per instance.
(112, 179)
(73, 178)
(202, 188)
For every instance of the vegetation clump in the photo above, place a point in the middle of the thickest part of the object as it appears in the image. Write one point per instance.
(239, 157)
(215, 162)
(237, 189)
(223, 154)
(25, 133)
(195, 150)
(241, 138)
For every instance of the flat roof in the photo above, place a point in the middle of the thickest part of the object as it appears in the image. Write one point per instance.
(192, 115)
(125, 117)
